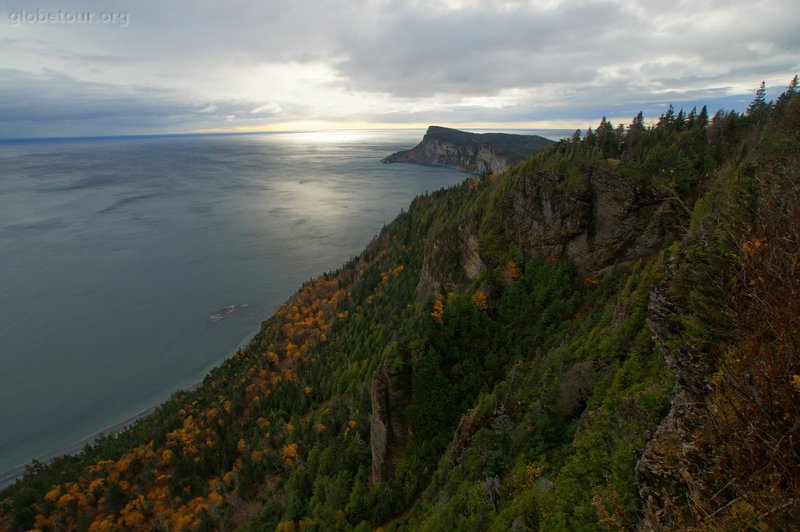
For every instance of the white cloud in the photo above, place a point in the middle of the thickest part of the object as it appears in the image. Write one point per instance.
(269, 108)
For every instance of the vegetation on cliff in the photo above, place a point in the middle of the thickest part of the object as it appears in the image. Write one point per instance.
(605, 336)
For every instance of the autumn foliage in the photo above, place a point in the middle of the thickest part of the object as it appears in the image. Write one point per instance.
(754, 407)
(148, 488)
(438, 308)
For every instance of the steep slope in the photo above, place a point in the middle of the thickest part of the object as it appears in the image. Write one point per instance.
(470, 152)
(726, 317)
(579, 343)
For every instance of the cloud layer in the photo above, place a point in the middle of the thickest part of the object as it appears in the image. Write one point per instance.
(143, 67)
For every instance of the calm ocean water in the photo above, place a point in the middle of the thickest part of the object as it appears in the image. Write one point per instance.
(131, 266)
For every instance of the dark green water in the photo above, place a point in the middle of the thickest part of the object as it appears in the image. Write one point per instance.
(118, 256)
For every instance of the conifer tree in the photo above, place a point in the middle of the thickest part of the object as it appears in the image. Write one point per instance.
(680, 121)
(758, 107)
(667, 120)
(635, 130)
(590, 139)
(606, 138)
(702, 118)
(791, 90)
(788, 94)
(691, 118)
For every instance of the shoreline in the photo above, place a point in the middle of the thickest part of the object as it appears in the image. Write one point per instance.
(10, 476)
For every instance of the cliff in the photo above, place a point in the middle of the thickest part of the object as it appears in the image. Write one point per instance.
(470, 152)
(600, 218)
(603, 336)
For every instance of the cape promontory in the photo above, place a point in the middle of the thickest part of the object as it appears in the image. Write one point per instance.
(470, 152)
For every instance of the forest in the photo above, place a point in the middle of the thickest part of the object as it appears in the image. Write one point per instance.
(502, 356)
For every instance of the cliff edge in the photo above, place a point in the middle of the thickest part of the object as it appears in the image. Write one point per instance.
(470, 152)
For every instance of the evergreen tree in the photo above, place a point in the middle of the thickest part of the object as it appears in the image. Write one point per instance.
(619, 139)
(791, 90)
(702, 118)
(635, 131)
(575, 143)
(691, 118)
(680, 121)
(667, 119)
(784, 98)
(590, 139)
(606, 138)
(758, 107)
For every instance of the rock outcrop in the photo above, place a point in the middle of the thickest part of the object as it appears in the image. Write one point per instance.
(451, 260)
(671, 460)
(596, 220)
(390, 394)
(470, 152)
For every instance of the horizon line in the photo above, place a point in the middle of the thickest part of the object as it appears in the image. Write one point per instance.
(212, 133)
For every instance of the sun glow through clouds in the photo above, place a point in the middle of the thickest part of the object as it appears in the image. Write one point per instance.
(384, 64)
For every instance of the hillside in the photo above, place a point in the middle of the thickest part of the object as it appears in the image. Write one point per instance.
(605, 336)
(470, 152)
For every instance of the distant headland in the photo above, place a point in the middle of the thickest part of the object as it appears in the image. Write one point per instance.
(474, 153)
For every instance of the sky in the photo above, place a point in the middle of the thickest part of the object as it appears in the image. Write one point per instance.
(82, 68)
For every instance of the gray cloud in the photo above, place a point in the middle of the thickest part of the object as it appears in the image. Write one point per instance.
(202, 64)
(52, 104)
(479, 52)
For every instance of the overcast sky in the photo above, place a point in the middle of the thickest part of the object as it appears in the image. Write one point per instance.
(242, 65)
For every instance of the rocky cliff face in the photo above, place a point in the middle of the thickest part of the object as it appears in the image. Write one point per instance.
(595, 220)
(472, 159)
(450, 260)
(671, 459)
(470, 152)
(390, 394)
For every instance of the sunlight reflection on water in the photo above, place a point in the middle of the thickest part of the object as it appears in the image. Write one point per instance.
(115, 252)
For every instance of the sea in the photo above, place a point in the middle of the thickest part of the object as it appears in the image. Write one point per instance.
(131, 266)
